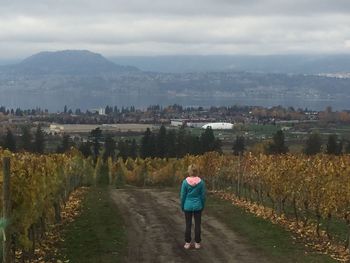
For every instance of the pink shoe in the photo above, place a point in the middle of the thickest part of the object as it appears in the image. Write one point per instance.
(187, 245)
(197, 245)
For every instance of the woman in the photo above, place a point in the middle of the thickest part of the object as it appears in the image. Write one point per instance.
(192, 203)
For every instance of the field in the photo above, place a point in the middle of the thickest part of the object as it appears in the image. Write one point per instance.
(306, 197)
(86, 128)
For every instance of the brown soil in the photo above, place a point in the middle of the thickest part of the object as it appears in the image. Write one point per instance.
(155, 227)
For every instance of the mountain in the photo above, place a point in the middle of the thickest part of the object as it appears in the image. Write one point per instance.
(70, 62)
(82, 79)
(296, 64)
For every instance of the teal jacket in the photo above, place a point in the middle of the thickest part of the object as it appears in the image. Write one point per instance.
(192, 195)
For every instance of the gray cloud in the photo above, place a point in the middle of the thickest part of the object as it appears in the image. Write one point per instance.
(178, 7)
(144, 27)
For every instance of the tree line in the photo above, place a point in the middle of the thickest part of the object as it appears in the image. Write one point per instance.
(313, 145)
(334, 145)
(26, 142)
(23, 112)
(162, 144)
(177, 143)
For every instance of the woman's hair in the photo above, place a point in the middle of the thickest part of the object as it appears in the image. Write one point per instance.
(192, 169)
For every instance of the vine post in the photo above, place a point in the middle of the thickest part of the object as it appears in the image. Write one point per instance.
(6, 206)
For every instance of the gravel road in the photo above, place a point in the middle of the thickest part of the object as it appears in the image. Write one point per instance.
(155, 227)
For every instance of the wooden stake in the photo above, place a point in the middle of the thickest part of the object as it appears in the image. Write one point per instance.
(6, 206)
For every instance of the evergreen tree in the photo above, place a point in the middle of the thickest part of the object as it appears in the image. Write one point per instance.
(115, 110)
(239, 146)
(77, 111)
(333, 146)
(96, 135)
(3, 109)
(161, 142)
(85, 149)
(133, 149)
(19, 112)
(148, 145)
(110, 148)
(102, 173)
(144, 151)
(65, 145)
(39, 141)
(347, 148)
(10, 141)
(218, 145)
(123, 149)
(153, 146)
(193, 144)
(181, 146)
(171, 144)
(208, 141)
(277, 146)
(313, 144)
(26, 139)
(108, 110)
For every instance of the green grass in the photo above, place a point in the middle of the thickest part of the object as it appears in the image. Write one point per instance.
(271, 240)
(259, 129)
(337, 227)
(98, 234)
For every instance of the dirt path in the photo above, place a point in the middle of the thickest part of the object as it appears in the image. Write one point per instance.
(155, 226)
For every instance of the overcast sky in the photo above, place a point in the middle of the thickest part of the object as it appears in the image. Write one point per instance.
(164, 27)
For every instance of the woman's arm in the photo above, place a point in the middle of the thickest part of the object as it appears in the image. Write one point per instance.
(203, 194)
(183, 194)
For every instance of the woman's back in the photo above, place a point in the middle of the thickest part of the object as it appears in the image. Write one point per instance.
(192, 194)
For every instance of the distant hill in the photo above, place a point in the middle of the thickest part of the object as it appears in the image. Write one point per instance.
(82, 79)
(66, 62)
(297, 64)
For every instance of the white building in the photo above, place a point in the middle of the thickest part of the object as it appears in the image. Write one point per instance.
(177, 122)
(100, 111)
(54, 128)
(218, 126)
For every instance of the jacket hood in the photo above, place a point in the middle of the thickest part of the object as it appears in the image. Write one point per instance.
(193, 181)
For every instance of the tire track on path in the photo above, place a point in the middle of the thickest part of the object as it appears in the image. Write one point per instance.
(155, 227)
